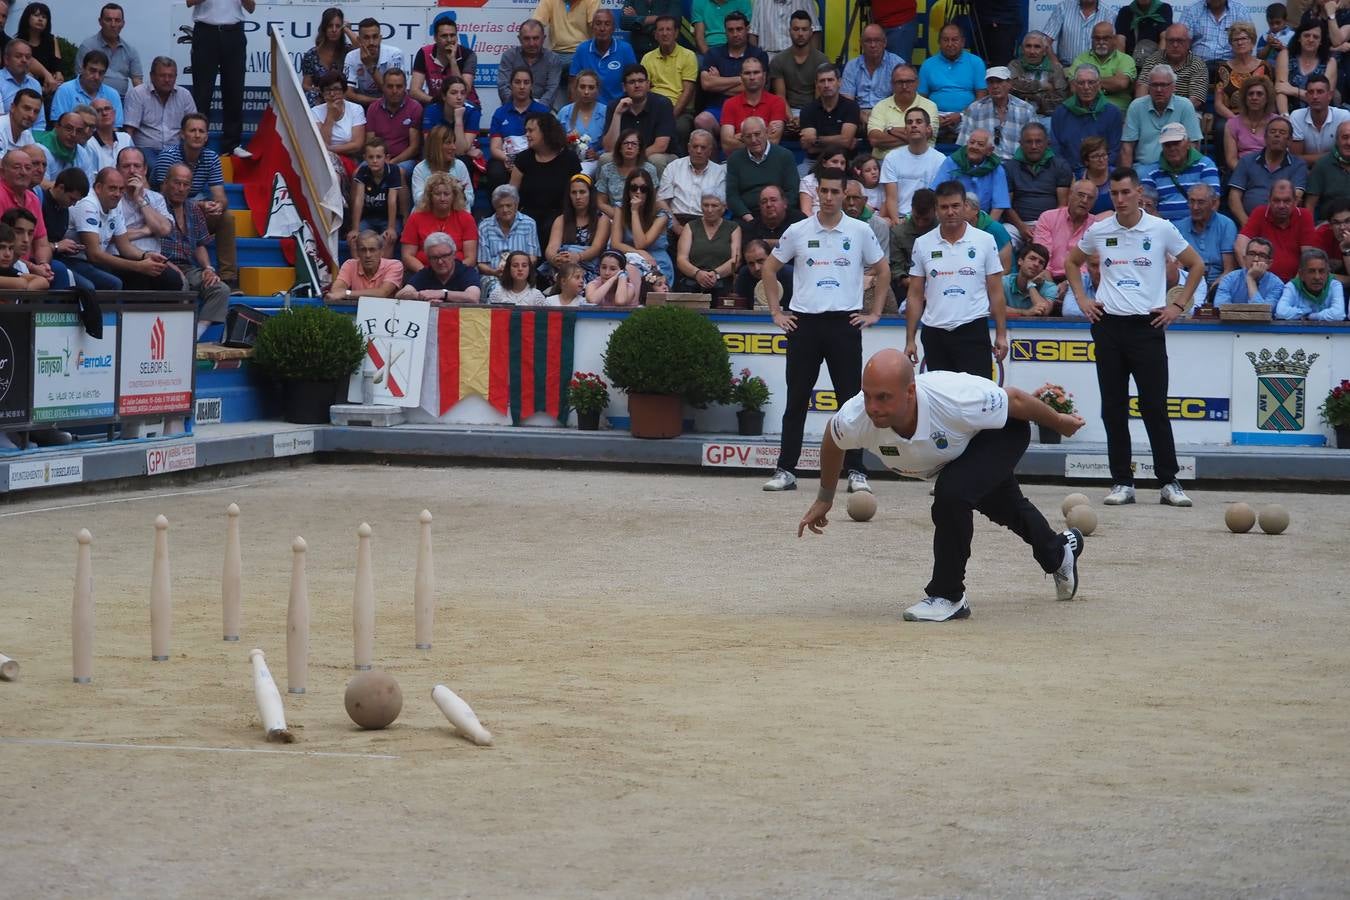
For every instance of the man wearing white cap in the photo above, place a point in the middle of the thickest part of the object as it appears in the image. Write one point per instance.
(998, 112)
(1130, 314)
(1179, 168)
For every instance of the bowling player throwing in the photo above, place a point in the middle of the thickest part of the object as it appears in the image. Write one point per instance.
(967, 432)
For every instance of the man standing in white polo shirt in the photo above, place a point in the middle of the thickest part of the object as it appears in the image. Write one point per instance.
(829, 253)
(1129, 317)
(955, 284)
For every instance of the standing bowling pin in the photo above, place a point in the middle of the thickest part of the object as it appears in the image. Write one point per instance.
(9, 668)
(363, 604)
(82, 610)
(424, 589)
(461, 715)
(161, 603)
(231, 589)
(297, 622)
(270, 710)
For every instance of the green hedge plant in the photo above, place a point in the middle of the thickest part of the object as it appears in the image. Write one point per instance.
(309, 344)
(669, 350)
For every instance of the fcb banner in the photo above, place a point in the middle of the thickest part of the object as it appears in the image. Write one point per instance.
(518, 360)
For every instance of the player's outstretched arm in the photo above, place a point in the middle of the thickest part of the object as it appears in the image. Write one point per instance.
(831, 460)
(1022, 405)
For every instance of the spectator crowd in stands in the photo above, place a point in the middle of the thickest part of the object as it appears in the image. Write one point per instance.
(621, 160)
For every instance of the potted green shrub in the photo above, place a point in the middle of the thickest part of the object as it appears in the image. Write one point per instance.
(1058, 399)
(312, 351)
(752, 393)
(588, 395)
(664, 357)
(1335, 412)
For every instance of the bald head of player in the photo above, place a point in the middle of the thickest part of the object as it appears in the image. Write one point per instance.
(888, 391)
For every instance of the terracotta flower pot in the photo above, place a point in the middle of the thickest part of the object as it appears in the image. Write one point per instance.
(655, 415)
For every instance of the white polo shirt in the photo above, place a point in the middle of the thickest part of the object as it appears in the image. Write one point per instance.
(1133, 262)
(954, 276)
(909, 172)
(1317, 140)
(87, 216)
(828, 263)
(953, 408)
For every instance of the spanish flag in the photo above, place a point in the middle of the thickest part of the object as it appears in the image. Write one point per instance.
(472, 355)
(542, 344)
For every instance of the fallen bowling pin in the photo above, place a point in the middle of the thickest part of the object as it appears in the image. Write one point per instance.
(270, 710)
(461, 715)
(9, 668)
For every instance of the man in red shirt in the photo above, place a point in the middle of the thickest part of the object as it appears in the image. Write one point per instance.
(753, 101)
(1286, 225)
(15, 176)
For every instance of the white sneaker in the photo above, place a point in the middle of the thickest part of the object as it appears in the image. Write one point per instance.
(1173, 495)
(1120, 495)
(1066, 576)
(938, 609)
(781, 481)
(857, 481)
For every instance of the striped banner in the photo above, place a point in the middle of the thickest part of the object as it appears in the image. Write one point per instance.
(542, 344)
(472, 355)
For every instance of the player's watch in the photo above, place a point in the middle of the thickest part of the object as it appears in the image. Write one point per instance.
(445, 295)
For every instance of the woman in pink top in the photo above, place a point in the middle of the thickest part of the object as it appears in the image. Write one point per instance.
(1245, 133)
(368, 274)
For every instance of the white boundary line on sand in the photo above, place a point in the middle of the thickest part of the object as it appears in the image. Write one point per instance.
(52, 742)
(215, 490)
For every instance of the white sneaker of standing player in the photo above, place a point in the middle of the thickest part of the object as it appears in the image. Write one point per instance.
(1120, 495)
(781, 481)
(1173, 495)
(1066, 576)
(938, 609)
(857, 481)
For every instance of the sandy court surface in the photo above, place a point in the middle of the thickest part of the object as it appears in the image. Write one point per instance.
(687, 700)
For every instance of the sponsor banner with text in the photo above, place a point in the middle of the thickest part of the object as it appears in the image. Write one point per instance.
(34, 473)
(296, 443)
(157, 351)
(74, 375)
(175, 458)
(733, 455)
(1085, 465)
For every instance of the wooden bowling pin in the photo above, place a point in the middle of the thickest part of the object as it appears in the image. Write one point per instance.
(82, 610)
(363, 603)
(231, 586)
(161, 603)
(9, 668)
(461, 715)
(424, 587)
(270, 710)
(297, 622)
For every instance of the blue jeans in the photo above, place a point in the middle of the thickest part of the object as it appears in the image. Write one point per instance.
(900, 41)
(94, 277)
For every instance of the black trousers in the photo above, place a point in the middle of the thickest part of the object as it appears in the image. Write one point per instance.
(982, 479)
(1129, 345)
(963, 349)
(220, 50)
(820, 337)
(168, 280)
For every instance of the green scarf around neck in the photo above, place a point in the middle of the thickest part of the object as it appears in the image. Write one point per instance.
(48, 140)
(1336, 155)
(1076, 107)
(1029, 68)
(1152, 14)
(1316, 301)
(1192, 156)
(1037, 166)
(974, 170)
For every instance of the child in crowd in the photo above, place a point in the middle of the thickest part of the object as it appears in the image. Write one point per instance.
(617, 283)
(11, 276)
(867, 169)
(377, 196)
(571, 281)
(1279, 35)
(517, 282)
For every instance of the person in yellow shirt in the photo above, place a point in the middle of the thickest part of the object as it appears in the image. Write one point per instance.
(673, 71)
(568, 23)
(886, 127)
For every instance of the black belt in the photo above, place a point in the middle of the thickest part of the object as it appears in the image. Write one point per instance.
(237, 26)
(835, 314)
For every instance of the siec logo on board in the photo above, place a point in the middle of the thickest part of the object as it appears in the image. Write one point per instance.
(158, 364)
(1052, 350)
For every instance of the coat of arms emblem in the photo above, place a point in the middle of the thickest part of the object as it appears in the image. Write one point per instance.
(1281, 388)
